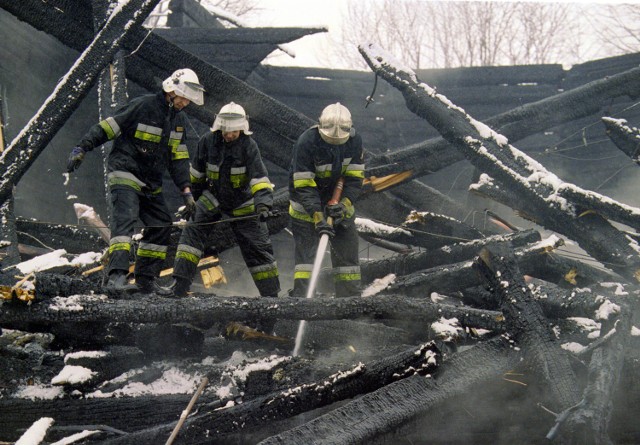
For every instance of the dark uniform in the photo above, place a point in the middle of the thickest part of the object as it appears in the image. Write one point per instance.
(148, 138)
(315, 169)
(233, 181)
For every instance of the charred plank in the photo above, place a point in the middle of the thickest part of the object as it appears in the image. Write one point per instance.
(454, 253)
(589, 422)
(360, 379)
(204, 309)
(395, 404)
(527, 324)
(626, 138)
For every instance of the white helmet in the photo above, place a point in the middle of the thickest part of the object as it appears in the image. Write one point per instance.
(231, 117)
(184, 82)
(335, 124)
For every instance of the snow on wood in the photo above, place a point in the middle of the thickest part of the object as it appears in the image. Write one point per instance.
(535, 187)
(36, 433)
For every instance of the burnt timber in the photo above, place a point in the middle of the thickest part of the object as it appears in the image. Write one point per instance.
(397, 409)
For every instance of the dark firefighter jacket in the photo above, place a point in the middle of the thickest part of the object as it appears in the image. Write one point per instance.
(148, 136)
(316, 167)
(233, 173)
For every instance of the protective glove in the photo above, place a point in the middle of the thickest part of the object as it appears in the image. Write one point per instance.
(343, 209)
(322, 226)
(263, 212)
(75, 158)
(189, 210)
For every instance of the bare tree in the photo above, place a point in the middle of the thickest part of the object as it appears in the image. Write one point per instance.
(443, 34)
(236, 7)
(622, 23)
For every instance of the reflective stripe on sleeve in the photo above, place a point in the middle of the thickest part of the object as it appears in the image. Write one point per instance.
(110, 127)
(259, 184)
(304, 179)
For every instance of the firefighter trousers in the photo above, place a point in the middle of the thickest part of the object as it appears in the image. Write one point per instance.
(344, 257)
(253, 240)
(127, 205)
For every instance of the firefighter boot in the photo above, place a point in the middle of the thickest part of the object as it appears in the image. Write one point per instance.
(177, 289)
(148, 285)
(118, 282)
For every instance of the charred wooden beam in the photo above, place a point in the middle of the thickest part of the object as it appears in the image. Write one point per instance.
(33, 139)
(529, 180)
(9, 250)
(527, 324)
(454, 253)
(288, 402)
(590, 210)
(123, 413)
(396, 404)
(58, 236)
(626, 138)
(516, 124)
(556, 302)
(455, 276)
(205, 309)
(588, 423)
(403, 249)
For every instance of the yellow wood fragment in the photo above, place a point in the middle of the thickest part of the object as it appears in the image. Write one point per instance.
(570, 276)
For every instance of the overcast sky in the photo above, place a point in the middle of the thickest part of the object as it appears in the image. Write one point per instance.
(310, 50)
(301, 13)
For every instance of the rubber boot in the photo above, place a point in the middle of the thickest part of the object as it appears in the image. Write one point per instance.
(149, 285)
(178, 288)
(118, 282)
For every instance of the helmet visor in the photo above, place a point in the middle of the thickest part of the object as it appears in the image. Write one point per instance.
(192, 91)
(231, 122)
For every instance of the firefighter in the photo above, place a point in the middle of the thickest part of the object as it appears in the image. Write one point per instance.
(321, 155)
(148, 136)
(231, 181)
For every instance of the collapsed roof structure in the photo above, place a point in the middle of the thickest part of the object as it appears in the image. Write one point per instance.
(504, 352)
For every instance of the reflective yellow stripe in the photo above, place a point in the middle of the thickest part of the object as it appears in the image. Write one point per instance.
(354, 173)
(151, 254)
(347, 277)
(260, 186)
(299, 215)
(302, 275)
(180, 151)
(147, 136)
(323, 174)
(244, 210)
(109, 131)
(124, 181)
(119, 246)
(188, 256)
(299, 183)
(264, 275)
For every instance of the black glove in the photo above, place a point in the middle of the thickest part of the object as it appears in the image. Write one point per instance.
(322, 226)
(75, 158)
(336, 211)
(189, 209)
(263, 212)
